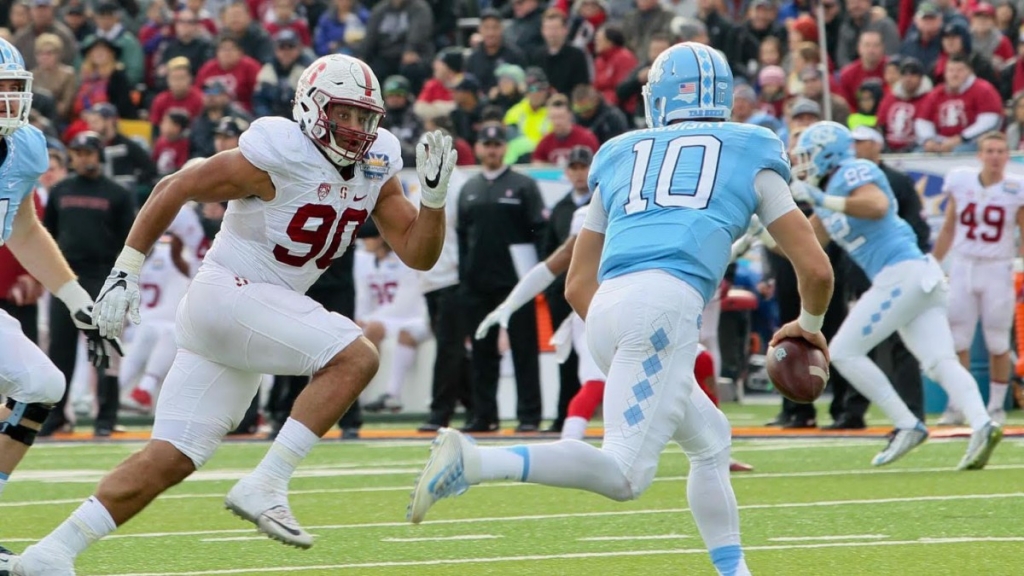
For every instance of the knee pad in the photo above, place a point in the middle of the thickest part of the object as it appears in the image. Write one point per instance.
(13, 427)
(586, 401)
(997, 340)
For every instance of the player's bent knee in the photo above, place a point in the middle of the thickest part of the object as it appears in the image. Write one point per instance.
(358, 358)
(997, 342)
(51, 384)
(934, 368)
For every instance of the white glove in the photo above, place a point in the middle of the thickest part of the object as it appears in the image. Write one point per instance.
(120, 295)
(499, 316)
(804, 192)
(81, 307)
(435, 161)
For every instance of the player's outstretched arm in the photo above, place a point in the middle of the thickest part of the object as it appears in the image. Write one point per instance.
(529, 286)
(945, 238)
(224, 177)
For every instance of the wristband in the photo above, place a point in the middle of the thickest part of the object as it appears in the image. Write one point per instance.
(834, 203)
(809, 322)
(73, 296)
(130, 260)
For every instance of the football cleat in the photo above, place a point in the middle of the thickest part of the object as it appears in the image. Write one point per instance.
(901, 442)
(444, 475)
(39, 560)
(998, 415)
(980, 448)
(951, 417)
(268, 509)
(737, 466)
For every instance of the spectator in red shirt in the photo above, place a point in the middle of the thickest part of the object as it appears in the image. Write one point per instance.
(959, 111)
(180, 92)
(987, 38)
(554, 147)
(435, 99)
(171, 149)
(771, 81)
(899, 107)
(614, 62)
(956, 39)
(232, 68)
(871, 64)
(285, 18)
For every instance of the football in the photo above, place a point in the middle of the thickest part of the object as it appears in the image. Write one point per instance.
(797, 369)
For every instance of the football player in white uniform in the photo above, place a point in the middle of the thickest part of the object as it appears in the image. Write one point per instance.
(163, 281)
(297, 192)
(978, 235)
(389, 302)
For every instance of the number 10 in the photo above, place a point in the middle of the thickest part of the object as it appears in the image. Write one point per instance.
(696, 199)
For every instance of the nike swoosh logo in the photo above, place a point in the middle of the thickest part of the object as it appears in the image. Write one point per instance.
(433, 182)
(359, 198)
(288, 529)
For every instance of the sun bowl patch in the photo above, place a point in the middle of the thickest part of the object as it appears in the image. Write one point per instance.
(375, 165)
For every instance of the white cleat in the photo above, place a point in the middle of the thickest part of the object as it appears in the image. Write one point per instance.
(903, 441)
(268, 509)
(951, 417)
(980, 448)
(445, 473)
(39, 561)
(998, 415)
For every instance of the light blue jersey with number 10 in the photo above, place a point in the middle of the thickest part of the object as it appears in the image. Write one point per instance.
(677, 197)
(873, 244)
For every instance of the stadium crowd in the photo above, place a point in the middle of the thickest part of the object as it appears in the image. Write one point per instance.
(161, 83)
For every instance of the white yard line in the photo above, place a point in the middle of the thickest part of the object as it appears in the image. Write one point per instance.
(535, 517)
(572, 556)
(234, 539)
(632, 538)
(829, 538)
(444, 538)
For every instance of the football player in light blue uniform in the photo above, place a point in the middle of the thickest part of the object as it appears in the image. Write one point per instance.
(668, 203)
(28, 380)
(908, 294)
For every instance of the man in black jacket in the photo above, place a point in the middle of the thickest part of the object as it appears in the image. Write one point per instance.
(566, 66)
(500, 211)
(493, 51)
(125, 161)
(594, 114)
(89, 215)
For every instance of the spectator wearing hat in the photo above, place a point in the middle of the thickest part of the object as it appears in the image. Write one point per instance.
(102, 79)
(227, 133)
(629, 91)
(124, 160)
(523, 32)
(180, 93)
(746, 110)
(400, 119)
(900, 106)
(613, 62)
(435, 99)
(566, 66)
(234, 69)
(859, 18)
(50, 74)
(89, 215)
(499, 209)
(510, 89)
(641, 24)
(278, 79)
(869, 96)
(596, 115)
(530, 116)
(392, 47)
(43, 21)
(77, 22)
(958, 111)
(802, 114)
(189, 42)
(565, 134)
(870, 64)
(466, 116)
(771, 81)
(814, 90)
(956, 40)
(217, 103)
(170, 151)
(492, 52)
(108, 26)
(557, 231)
(284, 17)
(924, 40)
(987, 38)
(248, 34)
(340, 28)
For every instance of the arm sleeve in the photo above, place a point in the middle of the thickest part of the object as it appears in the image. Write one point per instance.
(985, 122)
(773, 196)
(597, 217)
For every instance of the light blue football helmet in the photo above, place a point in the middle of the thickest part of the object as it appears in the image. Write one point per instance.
(689, 81)
(820, 149)
(14, 105)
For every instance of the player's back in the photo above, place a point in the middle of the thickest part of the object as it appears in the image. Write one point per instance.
(873, 244)
(677, 197)
(291, 240)
(24, 163)
(986, 215)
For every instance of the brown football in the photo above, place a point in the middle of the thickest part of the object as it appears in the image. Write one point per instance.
(797, 369)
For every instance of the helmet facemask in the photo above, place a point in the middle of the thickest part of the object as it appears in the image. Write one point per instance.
(15, 105)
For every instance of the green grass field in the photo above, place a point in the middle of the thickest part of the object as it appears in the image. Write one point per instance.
(812, 507)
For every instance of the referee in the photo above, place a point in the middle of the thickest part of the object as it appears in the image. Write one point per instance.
(499, 209)
(89, 215)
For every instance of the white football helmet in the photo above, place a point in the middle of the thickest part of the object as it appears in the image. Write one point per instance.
(17, 103)
(337, 79)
